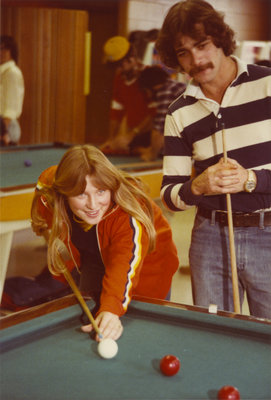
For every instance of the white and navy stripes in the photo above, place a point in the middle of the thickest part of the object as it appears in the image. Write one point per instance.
(193, 136)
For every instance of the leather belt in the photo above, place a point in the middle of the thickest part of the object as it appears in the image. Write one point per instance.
(238, 219)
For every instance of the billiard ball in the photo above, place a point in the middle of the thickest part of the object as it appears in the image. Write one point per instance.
(228, 393)
(27, 163)
(107, 348)
(169, 365)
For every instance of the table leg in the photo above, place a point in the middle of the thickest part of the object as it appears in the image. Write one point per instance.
(7, 229)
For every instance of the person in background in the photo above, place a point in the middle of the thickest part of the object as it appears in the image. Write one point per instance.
(162, 90)
(11, 92)
(141, 41)
(128, 103)
(117, 236)
(230, 96)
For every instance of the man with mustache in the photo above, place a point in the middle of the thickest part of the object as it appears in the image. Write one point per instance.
(224, 94)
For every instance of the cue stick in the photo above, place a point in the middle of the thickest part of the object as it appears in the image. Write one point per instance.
(235, 288)
(64, 255)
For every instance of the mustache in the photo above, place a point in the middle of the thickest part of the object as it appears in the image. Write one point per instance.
(200, 68)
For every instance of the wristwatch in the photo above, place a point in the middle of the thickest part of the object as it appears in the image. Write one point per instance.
(250, 184)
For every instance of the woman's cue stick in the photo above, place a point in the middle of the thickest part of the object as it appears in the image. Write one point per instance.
(235, 288)
(64, 255)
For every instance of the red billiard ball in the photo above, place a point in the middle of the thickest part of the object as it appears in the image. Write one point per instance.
(170, 365)
(228, 393)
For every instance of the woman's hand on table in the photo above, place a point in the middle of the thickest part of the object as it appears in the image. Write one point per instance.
(109, 325)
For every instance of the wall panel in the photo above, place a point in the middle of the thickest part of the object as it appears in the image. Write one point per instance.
(250, 19)
(51, 55)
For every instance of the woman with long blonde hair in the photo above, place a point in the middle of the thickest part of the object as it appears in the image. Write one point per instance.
(117, 237)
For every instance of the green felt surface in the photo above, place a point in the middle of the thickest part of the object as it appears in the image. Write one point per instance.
(50, 358)
(13, 171)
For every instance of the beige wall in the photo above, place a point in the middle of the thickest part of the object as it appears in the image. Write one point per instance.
(248, 18)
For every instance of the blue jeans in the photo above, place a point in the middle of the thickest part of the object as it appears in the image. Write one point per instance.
(211, 266)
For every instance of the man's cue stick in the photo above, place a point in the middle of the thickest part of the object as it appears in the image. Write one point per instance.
(235, 288)
(64, 255)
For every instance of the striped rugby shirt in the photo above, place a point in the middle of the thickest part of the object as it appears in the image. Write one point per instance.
(193, 136)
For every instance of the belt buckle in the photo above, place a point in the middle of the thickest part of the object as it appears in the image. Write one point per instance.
(240, 220)
(223, 218)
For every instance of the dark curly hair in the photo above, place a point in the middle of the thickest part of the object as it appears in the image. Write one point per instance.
(152, 76)
(187, 18)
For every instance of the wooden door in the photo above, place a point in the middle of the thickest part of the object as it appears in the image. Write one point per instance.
(51, 46)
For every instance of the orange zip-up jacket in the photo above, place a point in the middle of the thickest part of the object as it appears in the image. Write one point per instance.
(123, 244)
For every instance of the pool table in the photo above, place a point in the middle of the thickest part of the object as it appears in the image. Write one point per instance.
(45, 356)
(17, 183)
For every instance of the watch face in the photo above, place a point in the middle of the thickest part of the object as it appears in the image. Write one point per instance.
(250, 185)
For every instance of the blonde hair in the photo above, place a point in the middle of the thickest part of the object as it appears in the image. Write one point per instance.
(70, 180)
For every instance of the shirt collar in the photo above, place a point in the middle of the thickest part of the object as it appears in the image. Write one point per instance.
(194, 90)
(241, 66)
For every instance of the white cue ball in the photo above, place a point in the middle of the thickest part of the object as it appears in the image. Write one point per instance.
(107, 348)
